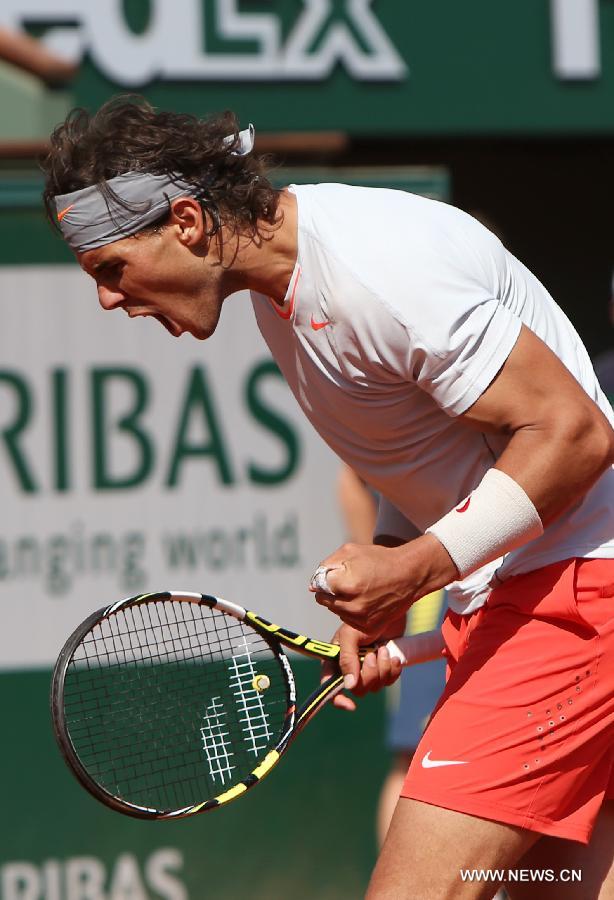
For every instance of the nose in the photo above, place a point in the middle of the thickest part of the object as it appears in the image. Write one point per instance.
(109, 299)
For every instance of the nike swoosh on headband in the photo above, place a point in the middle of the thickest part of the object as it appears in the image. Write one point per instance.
(63, 212)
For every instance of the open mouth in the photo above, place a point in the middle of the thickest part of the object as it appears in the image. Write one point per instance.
(171, 327)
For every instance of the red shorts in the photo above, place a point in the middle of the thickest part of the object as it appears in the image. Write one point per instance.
(524, 731)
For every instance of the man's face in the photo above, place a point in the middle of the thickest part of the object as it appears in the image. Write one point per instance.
(157, 274)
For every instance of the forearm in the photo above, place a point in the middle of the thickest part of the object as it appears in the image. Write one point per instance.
(425, 566)
(32, 55)
(542, 472)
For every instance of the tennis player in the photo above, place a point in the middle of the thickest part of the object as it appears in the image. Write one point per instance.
(437, 366)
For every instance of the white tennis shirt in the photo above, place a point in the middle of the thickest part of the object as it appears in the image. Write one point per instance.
(399, 313)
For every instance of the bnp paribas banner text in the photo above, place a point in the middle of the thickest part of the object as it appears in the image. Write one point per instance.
(133, 461)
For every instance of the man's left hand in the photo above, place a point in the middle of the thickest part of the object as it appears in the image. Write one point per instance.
(373, 586)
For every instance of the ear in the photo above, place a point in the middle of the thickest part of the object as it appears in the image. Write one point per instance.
(189, 221)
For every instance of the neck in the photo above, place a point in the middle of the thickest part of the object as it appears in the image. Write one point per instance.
(265, 263)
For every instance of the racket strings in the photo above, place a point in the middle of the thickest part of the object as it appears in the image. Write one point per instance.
(162, 704)
(178, 685)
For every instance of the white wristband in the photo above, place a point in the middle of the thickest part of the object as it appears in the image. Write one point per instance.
(496, 517)
(417, 648)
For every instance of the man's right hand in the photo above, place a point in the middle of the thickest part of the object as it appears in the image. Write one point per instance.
(378, 669)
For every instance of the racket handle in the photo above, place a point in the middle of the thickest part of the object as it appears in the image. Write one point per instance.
(417, 648)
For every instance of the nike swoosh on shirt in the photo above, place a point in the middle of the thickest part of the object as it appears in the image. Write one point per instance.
(428, 763)
(317, 325)
(465, 505)
(63, 212)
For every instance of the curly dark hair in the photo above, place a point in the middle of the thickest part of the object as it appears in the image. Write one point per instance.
(127, 134)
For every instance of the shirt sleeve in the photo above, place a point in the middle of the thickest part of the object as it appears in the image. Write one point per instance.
(456, 304)
(469, 350)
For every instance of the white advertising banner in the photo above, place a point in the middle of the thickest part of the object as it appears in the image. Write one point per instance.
(133, 461)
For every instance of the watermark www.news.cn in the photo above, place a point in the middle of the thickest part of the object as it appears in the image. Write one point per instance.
(514, 875)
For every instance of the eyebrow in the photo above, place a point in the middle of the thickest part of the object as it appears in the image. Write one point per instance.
(105, 264)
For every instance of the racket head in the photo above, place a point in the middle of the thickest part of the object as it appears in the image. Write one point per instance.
(169, 704)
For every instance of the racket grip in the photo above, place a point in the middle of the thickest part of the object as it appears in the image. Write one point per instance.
(417, 648)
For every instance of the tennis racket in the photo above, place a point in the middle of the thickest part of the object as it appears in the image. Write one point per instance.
(169, 704)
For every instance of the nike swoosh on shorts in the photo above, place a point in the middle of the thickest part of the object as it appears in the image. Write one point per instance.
(428, 763)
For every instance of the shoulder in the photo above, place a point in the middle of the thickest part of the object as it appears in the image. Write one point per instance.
(394, 239)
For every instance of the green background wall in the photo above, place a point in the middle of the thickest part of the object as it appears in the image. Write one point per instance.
(478, 68)
(306, 832)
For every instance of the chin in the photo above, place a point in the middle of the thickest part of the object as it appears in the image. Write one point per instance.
(203, 330)
(203, 334)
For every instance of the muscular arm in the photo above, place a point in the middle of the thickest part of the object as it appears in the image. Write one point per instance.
(560, 443)
(560, 440)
